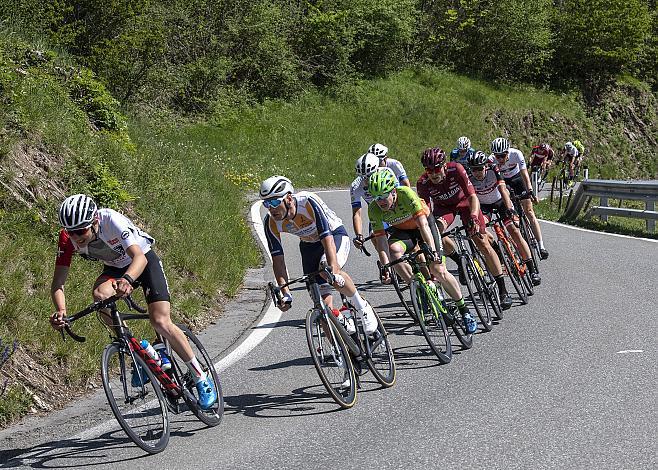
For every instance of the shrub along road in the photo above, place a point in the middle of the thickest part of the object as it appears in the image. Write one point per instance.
(553, 385)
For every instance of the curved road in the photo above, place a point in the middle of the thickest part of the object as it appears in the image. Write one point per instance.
(568, 381)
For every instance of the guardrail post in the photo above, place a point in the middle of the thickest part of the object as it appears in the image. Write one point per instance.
(603, 202)
(586, 174)
(651, 223)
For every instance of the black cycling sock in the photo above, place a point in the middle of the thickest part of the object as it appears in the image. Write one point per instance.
(461, 305)
(530, 263)
(500, 280)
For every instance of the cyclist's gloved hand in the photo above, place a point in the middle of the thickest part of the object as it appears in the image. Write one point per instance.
(358, 241)
(286, 302)
(57, 320)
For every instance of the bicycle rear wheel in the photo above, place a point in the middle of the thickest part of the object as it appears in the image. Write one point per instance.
(213, 415)
(400, 290)
(331, 359)
(525, 277)
(431, 322)
(141, 410)
(456, 322)
(380, 358)
(529, 236)
(513, 273)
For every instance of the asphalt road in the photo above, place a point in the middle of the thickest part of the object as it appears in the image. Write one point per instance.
(568, 381)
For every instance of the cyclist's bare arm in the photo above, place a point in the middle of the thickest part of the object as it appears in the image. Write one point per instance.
(382, 248)
(502, 188)
(135, 269)
(474, 203)
(330, 251)
(280, 271)
(406, 182)
(356, 221)
(57, 295)
(426, 232)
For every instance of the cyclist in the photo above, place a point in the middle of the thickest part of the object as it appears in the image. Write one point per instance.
(571, 156)
(581, 155)
(492, 194)
(381, 151)
(541, 158)
(128, 257)
(446, 187)
(513, 168)
(463, 150)
(367, 164)
(407, 214)
(323, 239)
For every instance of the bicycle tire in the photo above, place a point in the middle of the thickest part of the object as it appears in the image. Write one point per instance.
(337, 367)
(456, 322)
(433, 326)
(490, 285)
(531, 240)
(525, 278)
(381, 360)
(399, 290)
(476, 292)
(116, 372)
(513, 274)
(212, 416)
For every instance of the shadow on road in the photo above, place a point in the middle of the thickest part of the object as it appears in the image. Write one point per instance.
(111, 447)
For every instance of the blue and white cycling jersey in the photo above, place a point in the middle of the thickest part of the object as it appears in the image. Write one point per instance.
(455, 157)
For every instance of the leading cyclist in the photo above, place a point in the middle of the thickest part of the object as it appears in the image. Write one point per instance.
(126, 252)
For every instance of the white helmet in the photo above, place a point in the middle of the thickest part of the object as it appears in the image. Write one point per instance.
(366, 164)
(378, 150)
(570, 148)
(463, 143)
(500, 145)
(77, 212)
(275, 186)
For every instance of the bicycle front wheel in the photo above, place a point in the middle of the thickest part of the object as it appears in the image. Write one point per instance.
(476, 292)
(213, 415)
(331, 359)
(513, 273)
(431, 322)
(380, 355)
(135, 398)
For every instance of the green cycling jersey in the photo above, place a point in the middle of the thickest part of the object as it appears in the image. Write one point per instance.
(407, 208)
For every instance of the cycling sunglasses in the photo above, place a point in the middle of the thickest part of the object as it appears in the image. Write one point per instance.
(436, 169)
(477, 168)
(78, 232)
(500, 155)
(274, 202)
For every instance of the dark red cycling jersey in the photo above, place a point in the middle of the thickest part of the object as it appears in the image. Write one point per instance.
(455, 188)
(539, 154)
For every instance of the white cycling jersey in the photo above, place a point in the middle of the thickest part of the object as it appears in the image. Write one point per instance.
(514, 164)
(487, 188)
(397, 168)
(116, 233)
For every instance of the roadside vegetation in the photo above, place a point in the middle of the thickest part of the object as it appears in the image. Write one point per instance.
(174, 111)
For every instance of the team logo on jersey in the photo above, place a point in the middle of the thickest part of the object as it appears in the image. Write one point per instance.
(114, 241)
(125, 234)
(119, 249)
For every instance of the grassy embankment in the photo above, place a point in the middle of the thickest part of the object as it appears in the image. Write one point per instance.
(186, 184)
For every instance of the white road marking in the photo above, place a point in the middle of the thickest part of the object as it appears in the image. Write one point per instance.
(601, 233)
(629, 351)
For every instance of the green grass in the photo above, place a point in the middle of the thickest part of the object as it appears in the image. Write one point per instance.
(626, 226)
(186, 183)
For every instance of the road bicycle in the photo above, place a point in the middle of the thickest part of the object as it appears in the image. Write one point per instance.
(481, 286)
(433, 312)
(340, 358)
(510, 258)
(539, 177)
(139, 392)
(398, 284)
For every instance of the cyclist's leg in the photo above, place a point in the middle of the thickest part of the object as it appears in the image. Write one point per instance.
(399, 243)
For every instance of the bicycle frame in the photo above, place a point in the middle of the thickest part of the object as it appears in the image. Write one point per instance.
(500, 233)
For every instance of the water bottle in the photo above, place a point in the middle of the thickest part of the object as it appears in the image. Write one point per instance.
(161, 349)
(151, 351)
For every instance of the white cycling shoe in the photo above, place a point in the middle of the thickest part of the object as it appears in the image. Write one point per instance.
(368, 318)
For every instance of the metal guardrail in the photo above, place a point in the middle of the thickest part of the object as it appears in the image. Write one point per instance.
(646, 191)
